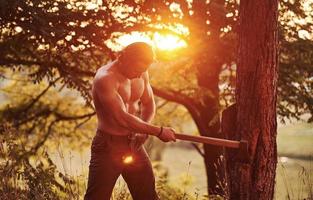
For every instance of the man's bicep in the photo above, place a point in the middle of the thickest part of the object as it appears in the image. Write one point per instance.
(148, 105)
(147, 96)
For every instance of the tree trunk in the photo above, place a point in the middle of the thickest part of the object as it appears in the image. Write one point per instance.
(255, 110)
(208, 79)
(212, 154)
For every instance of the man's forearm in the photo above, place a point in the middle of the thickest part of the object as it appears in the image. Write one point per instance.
(138, 125)
(147, 115)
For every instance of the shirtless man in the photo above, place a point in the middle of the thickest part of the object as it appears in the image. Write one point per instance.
(123, 126)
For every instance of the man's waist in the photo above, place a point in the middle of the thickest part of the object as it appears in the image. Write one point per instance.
(114, 137)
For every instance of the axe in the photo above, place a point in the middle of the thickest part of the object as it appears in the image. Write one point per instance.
(241, 146)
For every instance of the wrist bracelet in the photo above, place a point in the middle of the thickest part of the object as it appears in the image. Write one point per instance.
(160, 132)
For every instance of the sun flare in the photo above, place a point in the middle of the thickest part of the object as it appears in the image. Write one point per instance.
(162, 42)
(168, 42)
(128, 159)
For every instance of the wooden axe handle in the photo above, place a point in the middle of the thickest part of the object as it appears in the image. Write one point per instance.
(208, 140)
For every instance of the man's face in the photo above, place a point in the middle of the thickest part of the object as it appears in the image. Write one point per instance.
(136, 68)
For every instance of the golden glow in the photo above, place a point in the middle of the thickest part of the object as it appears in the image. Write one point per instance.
(168, 42)
(128, 159)
(163, 42)
(127, 39)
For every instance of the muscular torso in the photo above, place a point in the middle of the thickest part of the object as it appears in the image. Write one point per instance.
(130, 90)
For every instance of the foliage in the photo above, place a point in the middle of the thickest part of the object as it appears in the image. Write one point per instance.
(295, 82)
(45, 111)
(295, 58)
(23, 178)
(70, 40)
(52, 38)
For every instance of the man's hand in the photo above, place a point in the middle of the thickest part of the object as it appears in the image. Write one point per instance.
(141, 138)
(137, 139)
(167, 134)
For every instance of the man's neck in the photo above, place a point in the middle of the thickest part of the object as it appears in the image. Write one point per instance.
(118, 69)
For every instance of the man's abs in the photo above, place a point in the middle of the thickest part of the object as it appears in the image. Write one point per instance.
(111, 127)
(107, 123)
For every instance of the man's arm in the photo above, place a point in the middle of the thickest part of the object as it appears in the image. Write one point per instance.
(147, 110)
(147, 106)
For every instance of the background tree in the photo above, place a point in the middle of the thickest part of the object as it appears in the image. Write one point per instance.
(64, 42)
(295, 60)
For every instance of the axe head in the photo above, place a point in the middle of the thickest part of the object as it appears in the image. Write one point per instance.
(243, 154)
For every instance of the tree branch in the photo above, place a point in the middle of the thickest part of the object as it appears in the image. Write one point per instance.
(68, 118)
(198, 149)
(40, 95)
(184, 100)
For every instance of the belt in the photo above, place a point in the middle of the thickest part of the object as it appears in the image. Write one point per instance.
(117, 138)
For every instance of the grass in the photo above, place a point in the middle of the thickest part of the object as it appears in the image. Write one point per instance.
(295, 140)
(295, 166)
(294, 179)
(183, 178)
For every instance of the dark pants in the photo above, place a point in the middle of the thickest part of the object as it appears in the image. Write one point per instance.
(108, 162)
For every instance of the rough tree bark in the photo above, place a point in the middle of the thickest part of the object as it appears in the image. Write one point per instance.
(255, 109)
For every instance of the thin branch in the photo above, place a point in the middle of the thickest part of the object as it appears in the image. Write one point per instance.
(44, 112)
(40, 95)
(184, 100)
(82, 123)
(174, 97)
(198, 149)
(68, 118)
(8, 61)
(39, 144)
(162, 104)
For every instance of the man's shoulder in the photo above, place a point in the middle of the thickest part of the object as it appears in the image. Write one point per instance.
(105, 78)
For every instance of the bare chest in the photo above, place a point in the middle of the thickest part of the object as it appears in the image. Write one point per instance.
(131, 90)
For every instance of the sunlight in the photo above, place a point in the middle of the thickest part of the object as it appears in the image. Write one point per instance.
(168, 42)
(163, 42)
(127, 39)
